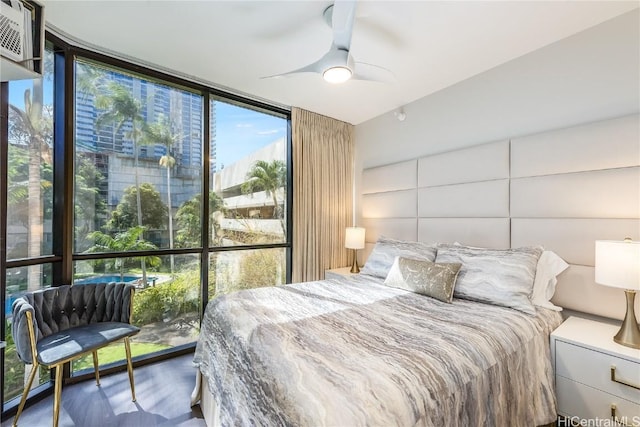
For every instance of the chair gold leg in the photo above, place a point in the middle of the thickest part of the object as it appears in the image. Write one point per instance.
(25, 393)
(95, 366)
(57, 395)
(127, 348)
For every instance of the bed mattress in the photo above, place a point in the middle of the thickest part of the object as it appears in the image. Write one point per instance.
(354, 352)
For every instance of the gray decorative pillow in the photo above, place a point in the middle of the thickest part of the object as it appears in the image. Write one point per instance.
(496, 276)
(424, 277)
(386, 250)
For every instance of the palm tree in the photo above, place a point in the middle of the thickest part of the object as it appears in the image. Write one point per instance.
(161, 133)
(18, 200)
(89, 80)
(37, 130)
(129, 240)
(268, 177)
(121, 107)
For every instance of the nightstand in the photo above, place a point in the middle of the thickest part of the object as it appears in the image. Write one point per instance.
(595, 377)
(337, 273)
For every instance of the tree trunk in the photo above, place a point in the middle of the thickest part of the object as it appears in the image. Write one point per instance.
(276, 212)
(170, 216)
(35, 226)
(35, 222)
(143, 265)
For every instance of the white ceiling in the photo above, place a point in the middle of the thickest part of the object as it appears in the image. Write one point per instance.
(429, 45)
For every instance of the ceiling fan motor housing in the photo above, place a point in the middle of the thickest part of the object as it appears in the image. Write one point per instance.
(337, 57)
(337, 65)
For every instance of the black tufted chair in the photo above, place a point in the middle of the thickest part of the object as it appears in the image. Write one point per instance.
(53, 326)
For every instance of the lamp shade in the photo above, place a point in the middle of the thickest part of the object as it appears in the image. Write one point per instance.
(618, 264)
(354, 238)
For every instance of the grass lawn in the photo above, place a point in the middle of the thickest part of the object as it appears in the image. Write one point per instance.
(115, 352)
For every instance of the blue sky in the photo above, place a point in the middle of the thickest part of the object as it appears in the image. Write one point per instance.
(17, 88)
(240, 131)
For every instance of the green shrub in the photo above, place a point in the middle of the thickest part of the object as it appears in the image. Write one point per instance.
(261, 268)
(166, 301)
(14, 369)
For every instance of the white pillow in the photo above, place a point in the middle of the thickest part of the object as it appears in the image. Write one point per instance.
(495, 276)
(549, 266)
(387, 249)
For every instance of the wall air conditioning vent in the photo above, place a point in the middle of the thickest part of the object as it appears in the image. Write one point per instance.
(11, 32)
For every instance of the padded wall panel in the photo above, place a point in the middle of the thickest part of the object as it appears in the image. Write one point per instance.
(363, 255)
(602, 145)
(398, 176)
(566, 189)
(479, 163)
(577, 290)
(611, 193)
(488, 199)
(394, 204)
(483, 232)
(573, 239)
(396, 228)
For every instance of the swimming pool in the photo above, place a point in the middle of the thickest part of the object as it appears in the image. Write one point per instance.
(108, 279)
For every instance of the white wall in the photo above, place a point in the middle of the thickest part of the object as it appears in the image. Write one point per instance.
(593, 75)
(589, 77)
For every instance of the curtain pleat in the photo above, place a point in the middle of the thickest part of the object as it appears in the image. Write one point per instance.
(323, 150)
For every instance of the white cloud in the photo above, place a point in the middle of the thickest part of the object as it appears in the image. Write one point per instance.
(268, 132)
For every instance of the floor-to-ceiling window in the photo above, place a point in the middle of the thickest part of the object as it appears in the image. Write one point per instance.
(138, 161)
(151, 157)
(29, 165)
(248, 189)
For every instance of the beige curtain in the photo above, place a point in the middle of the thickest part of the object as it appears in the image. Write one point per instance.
(322, 194)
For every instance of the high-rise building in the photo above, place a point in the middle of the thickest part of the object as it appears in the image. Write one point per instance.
(112, 143)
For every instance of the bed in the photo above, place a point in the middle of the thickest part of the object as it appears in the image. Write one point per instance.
(353, 351)
(358, 352)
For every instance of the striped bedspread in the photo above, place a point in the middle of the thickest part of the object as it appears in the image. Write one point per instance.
(353, 352)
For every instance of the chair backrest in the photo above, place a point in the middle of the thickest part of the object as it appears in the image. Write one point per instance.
(62, 307)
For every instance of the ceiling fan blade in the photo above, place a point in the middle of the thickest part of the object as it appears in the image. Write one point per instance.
(344, 11)
(375, 73)
(315, 67)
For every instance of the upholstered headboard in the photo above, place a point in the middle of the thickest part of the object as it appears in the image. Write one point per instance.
(562, 189)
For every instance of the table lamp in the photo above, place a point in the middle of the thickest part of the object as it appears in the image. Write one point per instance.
(354, 239)
(618, 265)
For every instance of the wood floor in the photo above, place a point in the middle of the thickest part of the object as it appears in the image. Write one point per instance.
(163, 391)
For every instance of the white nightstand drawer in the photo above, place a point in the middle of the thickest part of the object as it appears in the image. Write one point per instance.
(575, 399)
(593, 368)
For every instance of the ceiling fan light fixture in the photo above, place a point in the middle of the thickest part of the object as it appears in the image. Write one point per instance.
(337, 74)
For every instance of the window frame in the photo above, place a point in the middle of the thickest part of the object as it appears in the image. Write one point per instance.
(62, 260)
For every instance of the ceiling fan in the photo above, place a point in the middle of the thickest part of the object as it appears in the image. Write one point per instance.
(338, 65)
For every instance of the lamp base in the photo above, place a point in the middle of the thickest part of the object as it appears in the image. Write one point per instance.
(629, 333)
(354, 267)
